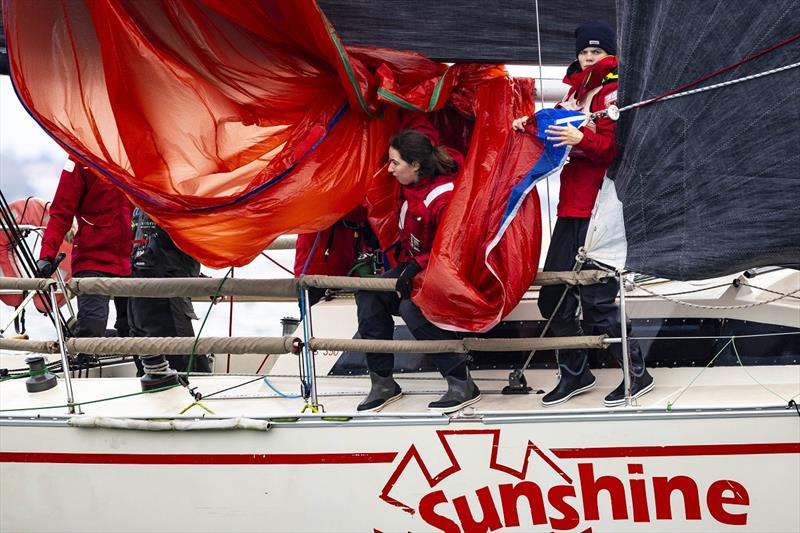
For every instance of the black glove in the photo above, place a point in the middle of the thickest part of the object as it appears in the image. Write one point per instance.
(45, 268)
(403, 285)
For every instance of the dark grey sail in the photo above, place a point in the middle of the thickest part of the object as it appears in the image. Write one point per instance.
(467, 30)
(709, 183)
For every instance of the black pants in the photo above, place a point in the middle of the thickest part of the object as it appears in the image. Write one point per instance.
(597, 303)
(166, 317)
(375, 311)
(92, 319)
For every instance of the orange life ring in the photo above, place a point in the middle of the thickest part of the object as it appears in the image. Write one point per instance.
(30, 211)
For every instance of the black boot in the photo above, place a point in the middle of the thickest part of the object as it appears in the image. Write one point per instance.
(384, 391)
(460, 393)
(571, 382)
(641, 380)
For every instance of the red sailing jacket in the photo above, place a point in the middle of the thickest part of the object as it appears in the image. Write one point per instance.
(103, 241)
(593, 89)
(337, 246)
(421, 206)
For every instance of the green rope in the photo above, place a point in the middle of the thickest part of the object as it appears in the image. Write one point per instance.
(680, 392)
(731, 342)
(78, 404)
(15, 376)
(203, 324)
(739, 359)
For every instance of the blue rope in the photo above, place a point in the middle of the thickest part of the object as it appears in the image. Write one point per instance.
(279, 393)
(306, 332)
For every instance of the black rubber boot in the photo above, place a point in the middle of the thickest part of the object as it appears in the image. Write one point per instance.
(571, 382)
(641, 380)
(460, 393)
(384, 391)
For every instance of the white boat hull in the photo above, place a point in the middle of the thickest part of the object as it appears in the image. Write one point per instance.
(626, 471)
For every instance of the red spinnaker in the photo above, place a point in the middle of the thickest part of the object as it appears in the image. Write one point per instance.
(232, 123)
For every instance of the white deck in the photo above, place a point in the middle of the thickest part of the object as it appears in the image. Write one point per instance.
(715, 388)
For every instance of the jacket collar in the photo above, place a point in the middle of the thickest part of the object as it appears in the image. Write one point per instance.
(583, 81)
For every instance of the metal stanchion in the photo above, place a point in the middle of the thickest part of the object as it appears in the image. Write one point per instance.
(310, 364)
(623, 318)
(63, 349)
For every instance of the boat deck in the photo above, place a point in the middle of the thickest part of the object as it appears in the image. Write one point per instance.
(232, 396)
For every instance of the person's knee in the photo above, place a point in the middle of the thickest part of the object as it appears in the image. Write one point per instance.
(411, 315)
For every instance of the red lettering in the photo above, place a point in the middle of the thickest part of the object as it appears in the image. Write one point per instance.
(569, 516)
(427, 511)
(590, 490)
(716, 499)
(510, 495)
(641, 512)
(662, 491)
(490, 521)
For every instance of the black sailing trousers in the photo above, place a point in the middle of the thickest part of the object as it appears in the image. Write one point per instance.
(597, 303)
(375, 311)
(92, 319)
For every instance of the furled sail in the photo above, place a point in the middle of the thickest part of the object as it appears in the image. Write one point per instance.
(708, 182)
(232, 123)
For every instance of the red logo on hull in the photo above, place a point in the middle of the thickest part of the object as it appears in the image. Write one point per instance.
(560, 503)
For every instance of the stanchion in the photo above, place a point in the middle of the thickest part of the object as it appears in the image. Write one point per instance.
(623, 319)
(64, 359)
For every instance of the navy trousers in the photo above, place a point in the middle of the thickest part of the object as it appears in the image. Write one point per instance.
(375, 311)
(597, 303)
(92, 319)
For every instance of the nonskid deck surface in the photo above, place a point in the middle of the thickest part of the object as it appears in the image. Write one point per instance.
(714, 388)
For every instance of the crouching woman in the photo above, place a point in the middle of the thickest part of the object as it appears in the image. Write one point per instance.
(426, 174)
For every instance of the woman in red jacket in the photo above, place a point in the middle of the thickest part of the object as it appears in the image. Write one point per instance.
(426, 173)
(592, 81)
(101, 246)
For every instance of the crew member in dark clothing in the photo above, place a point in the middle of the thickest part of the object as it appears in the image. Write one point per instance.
(592, 81)
(156, 256)
(426, 173)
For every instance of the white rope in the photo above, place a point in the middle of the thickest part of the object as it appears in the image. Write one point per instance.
(620, 110)
(700, 306)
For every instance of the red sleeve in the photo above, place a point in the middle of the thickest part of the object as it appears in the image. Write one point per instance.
(71, 188)
(601, 145)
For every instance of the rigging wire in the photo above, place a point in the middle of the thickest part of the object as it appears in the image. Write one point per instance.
(541, 94)
(20, 247)
(230, 326)
(681, 91)
(279, 265)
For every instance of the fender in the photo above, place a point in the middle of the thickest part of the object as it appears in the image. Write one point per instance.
(30, 211)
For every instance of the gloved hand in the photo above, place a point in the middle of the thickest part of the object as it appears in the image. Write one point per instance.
(44, 268)
(403, 285)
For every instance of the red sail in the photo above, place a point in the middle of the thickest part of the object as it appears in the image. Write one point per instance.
(232, 123)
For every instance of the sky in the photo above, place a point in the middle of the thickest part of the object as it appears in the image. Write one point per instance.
(31, 162)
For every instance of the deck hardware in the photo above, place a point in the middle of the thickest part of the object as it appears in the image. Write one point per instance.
(41, 378)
